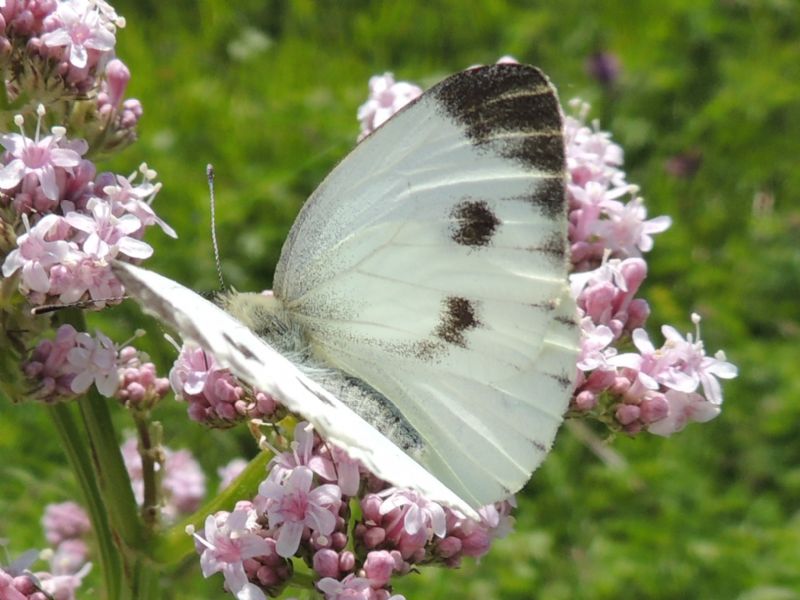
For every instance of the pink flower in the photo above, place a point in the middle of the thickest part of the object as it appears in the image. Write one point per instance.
(69, 557)
(682, 409)
(94, 360)
(348, 475)
(349, 588)
(62, 587)
(183, 481)
(80, 28)
(35, 254)
(301, 455)
(106, 235)
(64, 521)
(38, 157)
(386, 97)
(213, 394)
(680, 364)
(626, 232)
(227, 541)
(125, 197)
(230, 471)
(326, 563)
(419, 513)
(594, 346)
(292, 506)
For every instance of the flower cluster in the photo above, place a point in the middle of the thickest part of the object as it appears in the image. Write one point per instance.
(72, 361)
(62, 53)
(74, 223)
(139, 386)
(65, 526)
(215, 397)
(652, 390)
(304, 510)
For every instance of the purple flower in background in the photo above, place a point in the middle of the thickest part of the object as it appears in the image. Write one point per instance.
(604, 67)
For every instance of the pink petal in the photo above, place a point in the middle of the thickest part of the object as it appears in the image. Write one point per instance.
(102, 40)
(289, 539)
(81, 222)
(81, 382)
(64, 157)
(78, 56)
(59, 37)
(134, 248)
(35, 277)
(47, 179)
(12, 174)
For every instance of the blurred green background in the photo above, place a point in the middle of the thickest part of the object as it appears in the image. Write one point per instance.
(707, 107)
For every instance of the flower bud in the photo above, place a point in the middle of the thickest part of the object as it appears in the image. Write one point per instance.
(117, 76)
(379, 567)
(347, 561)
(326, 563)
(627, 413)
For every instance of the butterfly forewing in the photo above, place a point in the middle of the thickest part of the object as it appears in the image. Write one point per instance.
(431, 264)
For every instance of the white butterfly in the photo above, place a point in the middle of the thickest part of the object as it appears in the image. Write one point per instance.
(426, 281)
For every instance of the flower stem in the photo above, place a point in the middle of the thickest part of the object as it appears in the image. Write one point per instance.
(149, 450)
(78, 456)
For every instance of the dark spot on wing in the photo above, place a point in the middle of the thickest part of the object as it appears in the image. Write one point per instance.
(549, 196)
(458, 316)
(246, 352)
(474, 223)
(546, 305)
(563, 380)
(571, 323)
(553, 246)
(509, 109)
(427, 350)
(540, 447)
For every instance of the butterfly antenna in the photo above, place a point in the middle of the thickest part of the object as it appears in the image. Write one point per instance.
(210, 176)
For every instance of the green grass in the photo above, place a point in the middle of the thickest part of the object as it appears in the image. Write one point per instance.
(713, 512)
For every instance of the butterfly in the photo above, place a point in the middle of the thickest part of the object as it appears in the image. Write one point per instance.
(421, 318)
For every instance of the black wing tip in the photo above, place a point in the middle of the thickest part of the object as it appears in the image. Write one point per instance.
(512, 109)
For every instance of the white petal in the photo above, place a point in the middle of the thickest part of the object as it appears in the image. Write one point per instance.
(134, 248)
(78, 56)
(81, 382)
(12, 174)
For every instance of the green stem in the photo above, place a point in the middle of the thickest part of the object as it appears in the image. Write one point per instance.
(79, 458)
(115, 484)
(149, 451)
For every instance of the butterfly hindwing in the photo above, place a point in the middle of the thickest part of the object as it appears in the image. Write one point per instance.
(431, 264)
